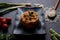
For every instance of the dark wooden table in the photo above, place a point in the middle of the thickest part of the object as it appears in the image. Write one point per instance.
(47, 3)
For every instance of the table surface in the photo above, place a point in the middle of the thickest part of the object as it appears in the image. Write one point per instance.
(46, 3)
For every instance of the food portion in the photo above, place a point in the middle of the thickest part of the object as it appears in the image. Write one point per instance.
(54, 35)
(29, 19)
(4, 22)
(51, 14)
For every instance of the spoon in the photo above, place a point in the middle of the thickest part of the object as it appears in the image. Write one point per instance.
(52, 12)
(56, 5)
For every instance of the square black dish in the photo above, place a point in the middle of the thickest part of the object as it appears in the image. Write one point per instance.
(40, 27)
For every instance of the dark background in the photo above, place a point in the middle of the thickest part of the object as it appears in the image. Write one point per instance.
(46, 3)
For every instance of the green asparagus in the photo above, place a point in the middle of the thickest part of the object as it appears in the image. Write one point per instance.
(3, 36)
(55, 33)
(6, 36)
(10, 36)
(53, 37)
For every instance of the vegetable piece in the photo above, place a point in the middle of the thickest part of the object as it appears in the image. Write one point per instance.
(3, 36)
(4, 26)
(0, 25)
(53, 37)
(10, 36)
(1, 18)
(8, 19)
(5, 5)
(8, 9)
(0, 36)
(6, 36)
(55, 33)
(3, 21)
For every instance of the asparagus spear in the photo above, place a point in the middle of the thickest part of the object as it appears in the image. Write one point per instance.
(3, 36)
(5, 5)
(55, 33)
(0, 36)
(53, 37)
(8, 9)
(10, 36)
